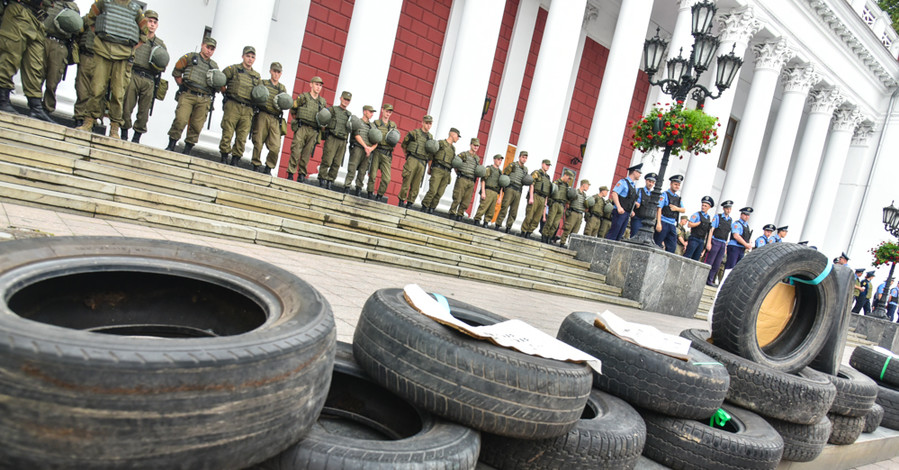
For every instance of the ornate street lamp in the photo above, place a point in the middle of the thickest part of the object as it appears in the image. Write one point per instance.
(682, 80)
(890, 224)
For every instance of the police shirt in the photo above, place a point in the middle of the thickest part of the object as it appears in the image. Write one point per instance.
(762, 241)
(716, 222)
(663, 202)
(622, 188)
(736, 229)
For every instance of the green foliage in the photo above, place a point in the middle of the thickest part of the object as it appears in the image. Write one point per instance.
(891, 7)
(682, 129)
(886, 252)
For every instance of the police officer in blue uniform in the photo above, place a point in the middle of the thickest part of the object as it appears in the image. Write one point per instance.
(670, 208)
(642, 195)
(721, 226)
(624, 197)
(740, 235)
(767, 238)
(700, 224)
(780, 235)
(863, 300)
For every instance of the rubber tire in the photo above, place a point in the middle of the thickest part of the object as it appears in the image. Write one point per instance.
(739, 299)
(683, 444)
(110, 401)
(436, 445)
(873, 419)
(855, 392)
(802, 442)
(870, 362)
(801, 398)
(462, 379)
(888, 398)
(846, 429)
(645, 378)
(611, 438)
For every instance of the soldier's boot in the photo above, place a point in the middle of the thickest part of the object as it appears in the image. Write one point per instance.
(171, 146)
(430, 210)
(508, 229)
(409, 204)
(290, 176)
(356, 191)
(224, 158)
(87, 125)
(5, 105)
(423, 208)
(187, 148)
(378, 197)
(302, 179)
(235, 160)
(78, 123)
(136, 137)
(257, 168)
(329, 185)
(484, 223)
(266, 170)
(114, 131)
(369, 195)
(124, 134)
(36, 110)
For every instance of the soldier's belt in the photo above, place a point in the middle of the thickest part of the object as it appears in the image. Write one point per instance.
(472, 178)
(385, 151)
(542, 194)
(558, 201)
(445, 167)
(60, 40)
(576, 211)
(424, 159)
(306, 123)
(198, 93)
(277, 115)
(239, 101)
(513, 188)
(144, 73)
(496, 190)
(85, 53)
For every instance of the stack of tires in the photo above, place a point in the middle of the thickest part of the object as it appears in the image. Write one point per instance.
(883, 367)
(677, 400)
(771, 375)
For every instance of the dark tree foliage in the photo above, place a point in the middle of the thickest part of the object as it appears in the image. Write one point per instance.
(891, 7)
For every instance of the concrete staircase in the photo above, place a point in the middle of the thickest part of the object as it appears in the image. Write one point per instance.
(54, 167)
(705, 303)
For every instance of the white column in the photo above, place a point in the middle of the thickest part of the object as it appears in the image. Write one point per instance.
(506, 103)
(736, 29)
(770, 58)
(842, 127)
(852, 187)
(797, 81)
(366, 57)
(616, 92)
(557, 55)
(472, 62)
(799, 190)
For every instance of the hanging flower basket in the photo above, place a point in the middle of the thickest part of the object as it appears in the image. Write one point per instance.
(886, 252)
(680, 128)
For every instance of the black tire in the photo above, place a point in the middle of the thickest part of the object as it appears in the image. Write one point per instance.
(855, 392)
(873, 419)
(870, 362)
(801, 398)
(240, 375)
(610, 435)
(739, 300)
(888, 398)
(365, 426)
(747, 442)
(647, 379)
(802, 442)
(846, 429)
(462, 379)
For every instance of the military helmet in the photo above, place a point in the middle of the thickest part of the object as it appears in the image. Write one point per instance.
(216, 79)
(323, 117)
(159, 58)
(68, 21)
(607, 209)
(527, 180)
(480, 171)
(432, 146)
(457, 162)
(259, 94)
(572, 194)
(283, 101)
(590, 202)
(392, 137)
(504, 180)
(375, 135)
(355, 123)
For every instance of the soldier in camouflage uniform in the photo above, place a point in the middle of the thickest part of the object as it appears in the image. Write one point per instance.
(238, 108)
(539, 190)
(382, 157)
(267, 129)
(58, 47)
(144, 77)
(441, 166)
(557, 201)
(119, 25)
(512, 193)
(600, 221)
(306, 131)
(361, 148)
(337, 132)
(22, 47)
(416, 160)
(575, 213)
(465, 179)
(194, 96)
(83, 76)
(489, 192)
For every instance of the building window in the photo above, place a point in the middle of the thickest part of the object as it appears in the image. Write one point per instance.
(727, 143)
(868, 16)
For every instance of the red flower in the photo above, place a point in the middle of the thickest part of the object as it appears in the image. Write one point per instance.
(674, 132)
(670, 142)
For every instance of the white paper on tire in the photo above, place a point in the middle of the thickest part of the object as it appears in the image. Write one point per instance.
(511, 334)
(645, 336)
(885, 351)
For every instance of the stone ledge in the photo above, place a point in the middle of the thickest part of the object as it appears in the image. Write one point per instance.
(881, 332)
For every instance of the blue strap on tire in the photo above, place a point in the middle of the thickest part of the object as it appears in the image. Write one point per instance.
(818, 280)
(442, 301)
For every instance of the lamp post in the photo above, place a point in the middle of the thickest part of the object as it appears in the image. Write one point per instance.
(890, 224)
(682, 80)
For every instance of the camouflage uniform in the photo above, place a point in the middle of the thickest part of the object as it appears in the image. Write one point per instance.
(237, 118)
(511, 194)
(441, 165)
(542, 186)
(84, 74)
(267, 130)
(416, 162)
(465, 183)
(58, 46)
(358, 164)
(337, 132)
(142, 87)
(381, 159)
(306, 132)
(194, 98)
(556, 208)
(487, 206)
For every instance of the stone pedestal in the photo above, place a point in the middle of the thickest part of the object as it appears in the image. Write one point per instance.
(662, 282)
(884, 333)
